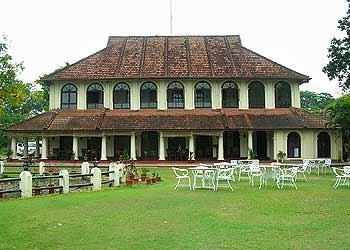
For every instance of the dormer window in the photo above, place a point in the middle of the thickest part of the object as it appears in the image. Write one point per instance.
(256, 95)
(94, 96)
(283, 95)
(69, 96)
(229, 93)
(175, 95)
(148, 96)
(121, 96)
(202, 95)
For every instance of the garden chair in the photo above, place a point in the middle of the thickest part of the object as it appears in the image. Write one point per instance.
(1, 167)
(302, 169)
(204, 175)
(326, 164)
(314, 164)
(181, 174)
(245, 169)
(41, 168)
(224, 174)
(257, 171)
(288, 174)
(342, 176)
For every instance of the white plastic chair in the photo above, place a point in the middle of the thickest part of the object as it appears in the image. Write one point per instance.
(181, 174)
(342, 176)
(288, 174)
(1, 167)
(224, 174)
(244, 169)
(257, 171)
(41, 168)
(302, 169)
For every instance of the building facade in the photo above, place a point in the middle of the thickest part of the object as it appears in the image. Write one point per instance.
(177, 98)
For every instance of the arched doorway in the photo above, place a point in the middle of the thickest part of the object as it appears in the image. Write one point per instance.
(323, 145)
(293, 145)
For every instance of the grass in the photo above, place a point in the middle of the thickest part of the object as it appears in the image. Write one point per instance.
(156, 217)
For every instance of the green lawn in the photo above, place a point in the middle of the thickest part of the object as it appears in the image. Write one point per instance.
(156, 217)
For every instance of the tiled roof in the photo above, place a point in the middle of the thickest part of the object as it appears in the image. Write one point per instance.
(95, 120)
(175, 57)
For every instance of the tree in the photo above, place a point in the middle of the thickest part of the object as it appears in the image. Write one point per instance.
(339, 54)
(315, 102)
(338, 116)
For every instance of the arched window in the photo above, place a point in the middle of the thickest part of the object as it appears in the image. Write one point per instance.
(323, 145)
(202, 95)
(69, 95)
(121, 96)
(229, 93)
(94, 96)
(148, 95)
(256, 95)
(283, 96)
(293, 145)
(175, 95)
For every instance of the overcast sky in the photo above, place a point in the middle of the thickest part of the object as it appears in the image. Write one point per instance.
(296, 33)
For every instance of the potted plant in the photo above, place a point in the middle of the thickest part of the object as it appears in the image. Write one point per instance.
(124, 157)
(280, 156)
(149, 181)
(251, 154)
(154, 180)
(131, 174)
(144, 172)
(157, 176)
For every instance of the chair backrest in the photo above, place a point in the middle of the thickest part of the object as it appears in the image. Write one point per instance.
(327, 162)
(347, 170)
(179, 172)
(304, 166)
(234, 162)
(225, 172)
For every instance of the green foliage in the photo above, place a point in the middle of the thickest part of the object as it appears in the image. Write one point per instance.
(281, 155)
(251, 154)
(315, 102)
(339, 54)
(18, 100)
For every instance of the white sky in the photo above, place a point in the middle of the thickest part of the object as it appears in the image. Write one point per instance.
(296, 33)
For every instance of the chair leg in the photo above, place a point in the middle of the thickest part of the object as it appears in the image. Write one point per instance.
(189, 183)
(304, 177)
(239, 176)
(177, 184)
(229, 184)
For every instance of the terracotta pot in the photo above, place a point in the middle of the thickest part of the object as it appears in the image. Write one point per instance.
(143, 177)
(158, 178)
(36, 191)
(154, 180)
(129, 182)
(51, 190)
(149, 181)
(136, 180)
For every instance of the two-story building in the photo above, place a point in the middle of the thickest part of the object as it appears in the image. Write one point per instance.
(175, 98)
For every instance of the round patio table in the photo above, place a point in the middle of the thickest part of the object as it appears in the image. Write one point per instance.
(206, 173)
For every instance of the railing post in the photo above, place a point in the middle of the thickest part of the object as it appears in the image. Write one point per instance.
(64, 181)
(96, 178)
(41, 168)
(85, 167)
(114, 176)
(25, 184)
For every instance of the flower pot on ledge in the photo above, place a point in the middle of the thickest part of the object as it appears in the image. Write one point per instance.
(129, 182)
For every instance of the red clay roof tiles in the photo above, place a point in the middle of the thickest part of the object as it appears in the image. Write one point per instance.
(175, 57)
(149, 119)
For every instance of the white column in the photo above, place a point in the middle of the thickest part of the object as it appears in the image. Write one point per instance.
(104, 148)
(161, 147)
(221, 147)
(191, 147)
(44, 148)
(250, 140)
(133, 146)
(25, 184)
(37, 147)
(25, 147)
(14, 147)
(75, 147)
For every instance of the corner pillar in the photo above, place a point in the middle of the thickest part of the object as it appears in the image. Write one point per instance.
(25, 148)
(14, 147)
(104, 148)
(44, 148)
(161, 147)
(221, 147)
(75, 147)
(191, 148)
(133, 146)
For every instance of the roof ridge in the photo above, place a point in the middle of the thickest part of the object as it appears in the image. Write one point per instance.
(228, 47)
(272, 61)
(55, 113)
(165, 52)
(143, 55)
(246, 116)
(301, 122)
(188, 57)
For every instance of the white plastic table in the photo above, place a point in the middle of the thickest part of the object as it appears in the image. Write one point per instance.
(207, 173)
